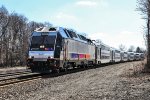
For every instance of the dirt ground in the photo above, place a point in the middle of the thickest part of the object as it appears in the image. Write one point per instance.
(113, 82)
(12, 69)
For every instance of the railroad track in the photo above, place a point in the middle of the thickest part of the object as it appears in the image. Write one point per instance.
(19, 79)
(33, 76)
(15, 73)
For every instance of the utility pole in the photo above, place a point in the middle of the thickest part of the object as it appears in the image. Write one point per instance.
(148, 41)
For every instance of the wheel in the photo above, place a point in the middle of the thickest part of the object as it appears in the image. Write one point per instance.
(82, 65)
(57, 70)
(66, 69)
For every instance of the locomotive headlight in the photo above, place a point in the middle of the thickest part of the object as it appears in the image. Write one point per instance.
(42, 46)
(30, 57)
(49, 57)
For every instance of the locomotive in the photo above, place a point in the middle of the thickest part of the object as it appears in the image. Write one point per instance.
(57, 48)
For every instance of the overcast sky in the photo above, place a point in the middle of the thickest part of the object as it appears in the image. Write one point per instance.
(114, 22)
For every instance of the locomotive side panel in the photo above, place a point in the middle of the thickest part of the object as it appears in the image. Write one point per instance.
(79, 52)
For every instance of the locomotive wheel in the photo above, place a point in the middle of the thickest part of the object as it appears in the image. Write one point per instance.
(83, 65)
(57, 70)
(65, 67)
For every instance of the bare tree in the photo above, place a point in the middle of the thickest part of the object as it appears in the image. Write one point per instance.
(33, 25)
(144, 7)
(15, 31)
(4, 21)
(19, 39)
(122, 47)
(138, 50)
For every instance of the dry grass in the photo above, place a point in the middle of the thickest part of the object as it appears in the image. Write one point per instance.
(138, 69)
(134, 70)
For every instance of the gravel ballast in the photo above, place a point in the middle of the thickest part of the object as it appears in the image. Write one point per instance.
(111, 82)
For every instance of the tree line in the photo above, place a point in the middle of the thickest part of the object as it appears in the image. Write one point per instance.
(131, 49)
(15, 31)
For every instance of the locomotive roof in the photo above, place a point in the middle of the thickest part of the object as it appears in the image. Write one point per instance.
(65, 33)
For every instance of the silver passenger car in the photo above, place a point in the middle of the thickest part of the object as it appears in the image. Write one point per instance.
(131, 56)
(137, 56)
(124, 56)
(103, 53)
(116, 55)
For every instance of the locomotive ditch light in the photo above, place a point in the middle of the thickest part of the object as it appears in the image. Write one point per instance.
(49, 57)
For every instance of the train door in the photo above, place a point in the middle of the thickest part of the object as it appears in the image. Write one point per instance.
(100, 53)
(63, 54)
(96, 52)
(58, 46)
(112, 56)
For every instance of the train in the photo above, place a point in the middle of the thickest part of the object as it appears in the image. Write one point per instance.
(57, 48)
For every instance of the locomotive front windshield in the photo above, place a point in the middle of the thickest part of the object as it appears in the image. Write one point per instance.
(43, 43)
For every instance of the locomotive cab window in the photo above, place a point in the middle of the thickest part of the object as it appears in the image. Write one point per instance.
(44, 42)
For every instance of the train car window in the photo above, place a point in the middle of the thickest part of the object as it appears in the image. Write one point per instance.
(105, 57)
(89, 41)
(79, 36)
(66, 32)
(69, 32)
(105, 48)
(117, 51)
(125, 53)
(102, 47)
(83, 38)
(74, 34)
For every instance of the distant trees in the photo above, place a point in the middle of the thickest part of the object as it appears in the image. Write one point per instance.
(15, 30)
(139, 50)
(122, 47)
(131, 48)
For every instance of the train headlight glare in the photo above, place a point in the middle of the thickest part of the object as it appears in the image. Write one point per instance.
(42, 46)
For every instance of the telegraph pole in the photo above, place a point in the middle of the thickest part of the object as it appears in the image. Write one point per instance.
(148, 41)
